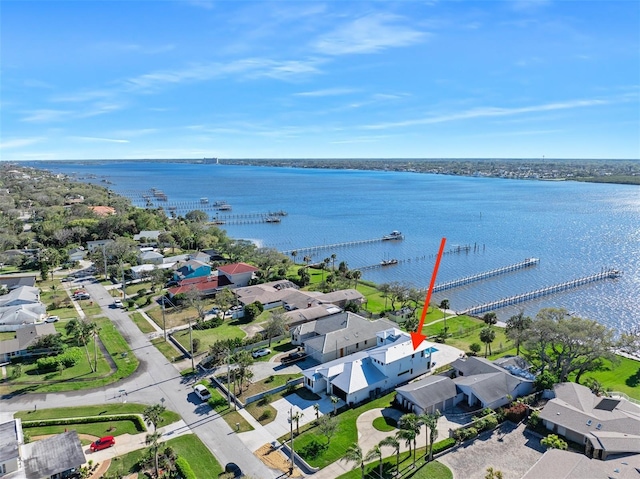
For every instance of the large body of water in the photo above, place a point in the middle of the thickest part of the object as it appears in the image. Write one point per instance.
(576, 229)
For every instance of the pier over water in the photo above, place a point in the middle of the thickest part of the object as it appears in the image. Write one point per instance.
(487, 274)
(538, 293)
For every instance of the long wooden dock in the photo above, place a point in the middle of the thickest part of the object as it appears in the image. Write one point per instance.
(335, 245)
(486, 274)
(538, 293)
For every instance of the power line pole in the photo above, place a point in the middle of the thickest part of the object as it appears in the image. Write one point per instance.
(292, 453)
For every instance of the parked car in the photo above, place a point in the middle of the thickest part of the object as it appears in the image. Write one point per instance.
(81, 296)
(117, 303)
(261, 352)
(234, 469)
(66, 279)
(202, 392)
(293, 357)
(52, 319)
(102, 443)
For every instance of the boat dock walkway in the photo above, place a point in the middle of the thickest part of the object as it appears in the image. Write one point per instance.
(335, 245)
(538, 293)
(487, 274)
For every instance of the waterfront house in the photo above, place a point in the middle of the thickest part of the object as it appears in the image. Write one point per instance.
(240, 274)
(371, 372)
(338, 335)
(103, 210)
(605, 425)
(478, 382)
(311, 313)
(342, 297)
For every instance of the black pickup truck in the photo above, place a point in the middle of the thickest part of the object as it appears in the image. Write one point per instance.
(293, 357)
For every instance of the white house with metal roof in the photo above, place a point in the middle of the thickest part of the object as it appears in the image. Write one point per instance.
(369, 373)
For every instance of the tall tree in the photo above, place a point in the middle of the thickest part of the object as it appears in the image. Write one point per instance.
(517, 327)
(354, 454)
(393, 442)
(375, 453)
(490, 318)
(411, 423)
(567, 345)
(431, 433)
(327, 425)
(152, 415)
(153, 440)
(444, 306)
(276, 325)
(356, 274)
(333, 261)
(487, 336)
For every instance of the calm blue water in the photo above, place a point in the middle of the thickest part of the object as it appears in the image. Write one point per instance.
(576, 229)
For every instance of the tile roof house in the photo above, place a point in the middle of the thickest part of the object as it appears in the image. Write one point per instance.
(205, 285)
(56, 456)
(605, 425)
(558, 464)
(369, 373)
(239, 274)
(25, 337)
(190, 269)
(338, 335)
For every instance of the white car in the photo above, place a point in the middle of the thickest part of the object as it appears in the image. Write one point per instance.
(261, 352)
(117, 303)
(202, 392)
(52, 319)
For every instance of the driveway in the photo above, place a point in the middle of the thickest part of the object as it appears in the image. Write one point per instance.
(510, 449)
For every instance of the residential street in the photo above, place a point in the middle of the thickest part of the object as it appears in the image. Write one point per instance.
(156, 378)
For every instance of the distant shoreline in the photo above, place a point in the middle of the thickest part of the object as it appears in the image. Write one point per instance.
(593, 171)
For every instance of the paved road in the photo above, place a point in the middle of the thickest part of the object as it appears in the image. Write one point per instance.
(155, 378)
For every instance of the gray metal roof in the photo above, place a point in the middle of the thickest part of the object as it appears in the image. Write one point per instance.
(53, 455)
(428, 391)
(558, 464)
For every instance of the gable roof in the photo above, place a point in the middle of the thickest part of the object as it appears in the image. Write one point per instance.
(357, 375)
(570, 465)
(23, 293)
(206, 283)
(341, 295)
(610, 422)
(429, 391)
(103, 210)
(344, 329)
(53, 455)
(148, 234)
(237, 268)
(15, 281)
(309, 314)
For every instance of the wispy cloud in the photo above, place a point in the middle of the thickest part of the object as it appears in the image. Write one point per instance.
(136, 132)
(97, 139)
(488, 112)
(20, 142)
(46, 115)
(370, 34)
(327, 92)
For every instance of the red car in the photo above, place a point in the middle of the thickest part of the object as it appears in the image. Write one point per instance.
(102, 443)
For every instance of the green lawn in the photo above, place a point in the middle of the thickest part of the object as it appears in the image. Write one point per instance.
(98, 429)
(142, 323)
(167, 349)
(346, 433)
(230, 415)
(99, 410)
(431, 470)
(189, 446)
(209, 336)
(385, 424)
(624, 377)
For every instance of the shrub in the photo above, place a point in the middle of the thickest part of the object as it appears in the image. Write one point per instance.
(490, 422)
(443, 445)
(475, 348)
(534, 418)
(137, 421)
(470, 432)
(552, 441)
(266, 414)
(516, 412)
(264, 400)
(184, 468)
(70, 357)
(47, 363)
(313, 450)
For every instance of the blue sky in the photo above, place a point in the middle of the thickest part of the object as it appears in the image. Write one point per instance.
(302, 79)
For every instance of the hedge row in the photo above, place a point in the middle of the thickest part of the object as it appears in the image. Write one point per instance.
(184, 469)
(137, 421)
(68, 359)
(443, 445)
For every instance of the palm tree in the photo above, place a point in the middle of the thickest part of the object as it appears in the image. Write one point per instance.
(325, 263)
(375, 453)
(444, 305)
(411, 423)
(517, 327)
(307, 260)
(431, 432)
(294, 254)
(153, 441)
(316, 408)
(334, 401)
(490, 318)
(391, 441)
(354, 454)
(92, 330)
(357, 274)
(408, 436)
(333, 261)
(487, 335)
(152, 415)
(296, 417)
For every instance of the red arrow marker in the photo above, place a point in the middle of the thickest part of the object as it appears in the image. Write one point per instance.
(417, 337)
